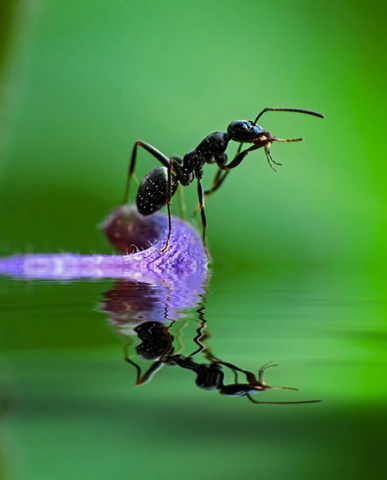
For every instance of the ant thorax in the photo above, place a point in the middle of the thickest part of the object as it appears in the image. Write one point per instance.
(214, 144)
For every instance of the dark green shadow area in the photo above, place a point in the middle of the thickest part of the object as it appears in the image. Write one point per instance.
(90, 422)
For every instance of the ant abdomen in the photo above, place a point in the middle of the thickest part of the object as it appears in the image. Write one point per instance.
(152, 193)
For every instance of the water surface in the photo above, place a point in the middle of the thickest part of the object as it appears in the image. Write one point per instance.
(71, 407)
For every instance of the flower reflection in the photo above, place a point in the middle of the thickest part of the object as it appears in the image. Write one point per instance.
(131, 303)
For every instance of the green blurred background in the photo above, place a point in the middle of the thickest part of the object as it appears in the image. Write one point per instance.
(82, 82)
(299, 255)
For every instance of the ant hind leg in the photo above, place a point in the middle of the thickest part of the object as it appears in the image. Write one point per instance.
(132, 164)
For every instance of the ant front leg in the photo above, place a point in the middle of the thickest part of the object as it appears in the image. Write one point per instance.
(237, 160)
(154, 152)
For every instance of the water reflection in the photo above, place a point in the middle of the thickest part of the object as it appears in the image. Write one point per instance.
(154, 289)
(148, 313)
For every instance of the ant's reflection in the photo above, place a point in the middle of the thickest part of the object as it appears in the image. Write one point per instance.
(149, 312)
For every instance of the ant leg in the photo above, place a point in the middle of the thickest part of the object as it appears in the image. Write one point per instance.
(262, 371)
(239, 149)
(142, 378)
(148, 375)
(218, 180)
(200, 340)
(201, 206)
(262, 383)
(249, 375)
(153, 151)
(270, 159)
(138, 369)
(169, 187)
(179, 339)
(202, 334)
(239, 157)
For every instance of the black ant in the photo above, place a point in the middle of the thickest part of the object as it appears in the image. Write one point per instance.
(157, 345)
(211, 377)
(160, 184)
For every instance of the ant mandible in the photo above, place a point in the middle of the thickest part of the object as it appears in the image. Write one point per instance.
(160, 184)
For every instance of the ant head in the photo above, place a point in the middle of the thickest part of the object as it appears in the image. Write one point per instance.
(248, 131)
(245, 131)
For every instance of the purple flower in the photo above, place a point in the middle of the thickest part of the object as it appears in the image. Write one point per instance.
(140, 238)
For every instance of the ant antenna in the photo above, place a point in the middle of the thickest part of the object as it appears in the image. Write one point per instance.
(296, 110)
(282, 403)
(261, 382)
